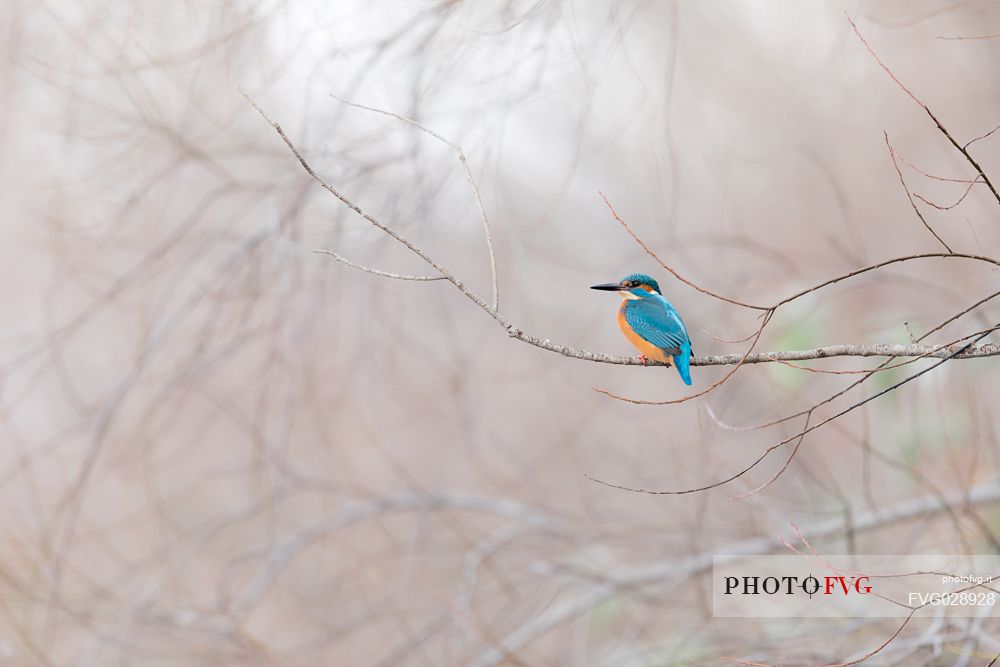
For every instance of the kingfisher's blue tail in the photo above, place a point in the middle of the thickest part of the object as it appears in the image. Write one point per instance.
(683, 363)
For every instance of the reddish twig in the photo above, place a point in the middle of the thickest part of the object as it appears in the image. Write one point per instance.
(951, 206)
(940, 126)
(804, 431)
(982, 136)
(713, 386)
(670, 269)
(935, 177)
(784, 466)
(909, 195)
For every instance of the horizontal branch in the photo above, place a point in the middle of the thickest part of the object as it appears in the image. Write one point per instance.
(719, 360)
(882, 350)
(878, 350)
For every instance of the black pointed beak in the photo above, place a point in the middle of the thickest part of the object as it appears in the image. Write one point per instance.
(609, 287)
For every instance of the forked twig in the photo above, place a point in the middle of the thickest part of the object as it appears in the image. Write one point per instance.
(959, 147)
(804, 431)
(909, 195)
(468, 177)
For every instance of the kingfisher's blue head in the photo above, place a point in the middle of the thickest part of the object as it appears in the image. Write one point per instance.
(633, 286)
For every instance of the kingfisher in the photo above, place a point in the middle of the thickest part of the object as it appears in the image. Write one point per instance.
(651, 323)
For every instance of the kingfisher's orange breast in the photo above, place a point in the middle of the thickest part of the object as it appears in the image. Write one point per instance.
(645, 347)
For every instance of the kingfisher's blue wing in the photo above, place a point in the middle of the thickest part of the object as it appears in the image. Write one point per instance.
(657, 321)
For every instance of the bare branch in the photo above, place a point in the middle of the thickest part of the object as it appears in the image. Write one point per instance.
(935, 177)
(961, 149)
(981, 136)
(468, 177)
(669, 268)
(911, 350)
(942, 207)
(887, 262)
(784, 466)
(961, 37)
(856, 661)
(739, 362)
(909, 195)
(883, 366)
(384, 274)
(804, 431)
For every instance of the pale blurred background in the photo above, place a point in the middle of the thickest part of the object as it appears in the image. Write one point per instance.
(219, 448)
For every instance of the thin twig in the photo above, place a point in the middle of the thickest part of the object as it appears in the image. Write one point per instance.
(384, 274)
(981, 136)
(739, 362)
(880, 367)
(935, 177)
(909, 195)
(669, 268)
(961, 37)
(959, 147)
(941, 207)
(887, 262)
(878, 648)
(804, 431)
(780, 471)
(468, 176)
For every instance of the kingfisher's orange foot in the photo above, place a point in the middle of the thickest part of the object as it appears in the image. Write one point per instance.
(645, 361)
